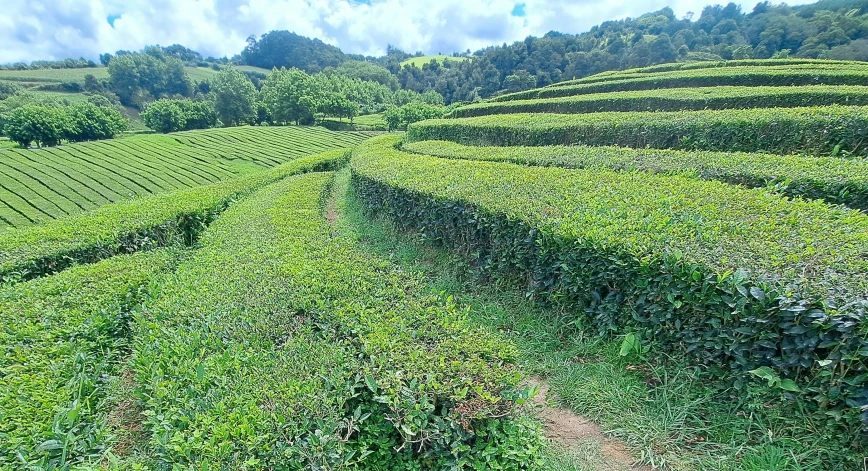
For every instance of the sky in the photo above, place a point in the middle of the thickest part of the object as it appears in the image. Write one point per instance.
(57, 29)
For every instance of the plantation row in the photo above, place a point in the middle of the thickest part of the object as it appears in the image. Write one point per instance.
(128, 226)
(831, 179)
(44, 184)
(822, 131)
(739, 278)
(764, 63)
(274, 345)
(730, 76)
(676, 99)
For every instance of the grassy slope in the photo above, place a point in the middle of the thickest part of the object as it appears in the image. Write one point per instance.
(420, 61)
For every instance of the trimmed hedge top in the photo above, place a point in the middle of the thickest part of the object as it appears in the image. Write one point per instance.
(831, 179)
(829, 130)
(677, 99)
(731, 76)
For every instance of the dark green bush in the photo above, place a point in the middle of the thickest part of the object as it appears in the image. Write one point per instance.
(831, 179)
(735, 279)
(831, 130)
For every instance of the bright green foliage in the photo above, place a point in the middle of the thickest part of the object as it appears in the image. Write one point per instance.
(134, 225)
(782, 76)
(831, 179)
(42, 125)
(280, 345)
(291, 96)
(140, 77)
(63, 338)
(710, 98)
(197, 114)
(7, 89)
(832, 130)
(89, 122)
(44, 184)
(735, 278)
(164, 116)
(399, 118)
(234, 97)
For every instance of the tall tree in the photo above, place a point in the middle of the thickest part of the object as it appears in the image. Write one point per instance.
(234, 97)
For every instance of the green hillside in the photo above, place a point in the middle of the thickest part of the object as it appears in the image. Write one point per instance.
(422, 60)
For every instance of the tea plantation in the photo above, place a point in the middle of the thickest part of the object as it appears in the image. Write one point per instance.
(680, 251)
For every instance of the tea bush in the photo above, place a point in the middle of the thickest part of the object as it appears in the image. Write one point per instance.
(138, 224)
(735, 279)
(282, 346)
(676, 99)
(830, 130)
(828, 178)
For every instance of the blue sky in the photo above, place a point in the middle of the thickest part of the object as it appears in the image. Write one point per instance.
(56, 29)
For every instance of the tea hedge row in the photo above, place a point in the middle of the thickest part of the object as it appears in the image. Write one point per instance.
(676, 99)
(736, 279)
(43, 184)
(63, 338)
(823, 131)
(831, 179)
(138, 224)
(729, 76)
(778, 64)
(281, 346)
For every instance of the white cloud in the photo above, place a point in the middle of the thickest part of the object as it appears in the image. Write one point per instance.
(56, 29)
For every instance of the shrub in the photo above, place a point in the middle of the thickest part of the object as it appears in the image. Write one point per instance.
(831, 179)
(30, 123)
(164, 116)
(281, 346)
(89, 122)
(735, 279)
(832, 130)
(399, 118)
(134, 225)
(714, 98)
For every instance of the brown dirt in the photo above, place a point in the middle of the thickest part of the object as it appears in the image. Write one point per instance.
(331, 213)
(125, 419)
(568, 429)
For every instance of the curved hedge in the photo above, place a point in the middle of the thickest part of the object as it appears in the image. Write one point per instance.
(133, 225)
(779, 64)
(831, 179)
(711, 98)
(736, 278)
(283, 345)
(831, 130)
(730, 76)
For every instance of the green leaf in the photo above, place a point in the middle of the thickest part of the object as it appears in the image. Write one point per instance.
(371, 383)
(789, 385)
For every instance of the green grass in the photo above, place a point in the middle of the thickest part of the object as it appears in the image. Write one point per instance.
(199, 74)
(44, 184)
(676, 99)
(53, 75)
(831, 179)
(420, 61)
(371, 122)
(667, 413)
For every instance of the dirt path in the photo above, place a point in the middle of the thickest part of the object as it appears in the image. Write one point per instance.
(580, 434)
(331, 213)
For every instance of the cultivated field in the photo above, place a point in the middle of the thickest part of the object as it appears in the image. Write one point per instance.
(41, 184)
(692, 279)
(422, 60)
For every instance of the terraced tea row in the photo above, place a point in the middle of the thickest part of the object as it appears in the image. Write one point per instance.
(139, 224)
(677, 99)
(742, 279)
(282, 345)
(821, 131)
(831, 179)
(728, 76)
(44, 184)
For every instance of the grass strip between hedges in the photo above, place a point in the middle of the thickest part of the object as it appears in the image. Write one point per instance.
(831, 179)
(63, 337)
(821, 131)
(676, 99)
(739, 279)
(137, 224)
(282, 346)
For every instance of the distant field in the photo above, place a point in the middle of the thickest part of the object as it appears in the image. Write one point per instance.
(44, 184)
(42, 76)
(420, 61)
